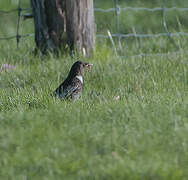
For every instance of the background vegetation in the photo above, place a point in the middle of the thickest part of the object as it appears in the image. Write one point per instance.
(131, 122)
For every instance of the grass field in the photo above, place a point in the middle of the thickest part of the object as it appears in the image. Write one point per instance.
(141, 135)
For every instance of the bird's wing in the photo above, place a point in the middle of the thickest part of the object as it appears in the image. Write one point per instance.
(59, 92)
(69, 91)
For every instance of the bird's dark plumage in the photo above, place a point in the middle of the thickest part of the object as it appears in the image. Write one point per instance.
(71, 88)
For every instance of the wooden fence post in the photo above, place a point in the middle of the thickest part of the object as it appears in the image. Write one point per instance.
(54, 17)
(80, 25)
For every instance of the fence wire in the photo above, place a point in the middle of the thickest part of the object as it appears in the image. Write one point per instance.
(117, 9)
(142, 35)
(19, 11)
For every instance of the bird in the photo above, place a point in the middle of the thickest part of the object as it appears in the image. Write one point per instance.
(71, 88)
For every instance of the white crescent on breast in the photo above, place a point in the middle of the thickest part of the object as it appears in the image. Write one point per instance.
(80, 78)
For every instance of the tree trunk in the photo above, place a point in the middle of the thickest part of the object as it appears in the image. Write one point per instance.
(49, 24)
(80, 25)
(53, 17)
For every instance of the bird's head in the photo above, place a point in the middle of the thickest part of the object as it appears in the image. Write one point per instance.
(78, 67)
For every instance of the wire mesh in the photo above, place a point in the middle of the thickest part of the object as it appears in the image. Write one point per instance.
(117, 9)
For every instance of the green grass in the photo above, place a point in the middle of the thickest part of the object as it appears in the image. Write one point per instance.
(142, 22)
(143, 135)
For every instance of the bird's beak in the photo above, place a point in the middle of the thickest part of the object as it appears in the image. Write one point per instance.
(89, 66)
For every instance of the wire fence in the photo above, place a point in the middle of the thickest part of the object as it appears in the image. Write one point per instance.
(19, 11)
(117, 9)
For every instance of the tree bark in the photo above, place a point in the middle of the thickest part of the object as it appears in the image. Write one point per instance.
(80, 25)
(49, 24)
(54, 17)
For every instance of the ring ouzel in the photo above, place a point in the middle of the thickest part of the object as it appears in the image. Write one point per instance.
(71, 88)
